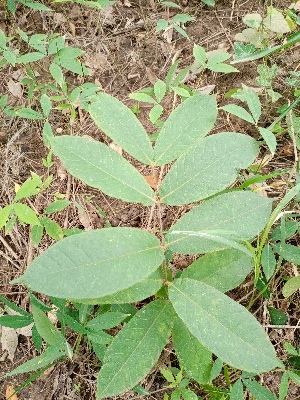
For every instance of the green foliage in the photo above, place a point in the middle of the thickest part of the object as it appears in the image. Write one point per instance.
(116, 266)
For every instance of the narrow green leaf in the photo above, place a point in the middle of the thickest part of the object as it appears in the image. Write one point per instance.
(106, 321)
(72, 323)
(30, 57)
(56, 206)
(10, 56)
(180, 91)
(291, 286)
(100, 166)
(14, 307)
(180, 132)
(46, 104)
(28, 113)
(142, 97)
(45, 328)
(199, 54)
(98, 263)
(171, 74)
(269, 138)
(155, 113)
(224, 269)
(50, 355)
(47, 134)
(123, 128)
(223, 326)
(238, 112)
(52, 228)
(36, 234)
(258, 391)
(181, 31)
(15, 321)
(160, 89)
(230, 215)
(221, 67)
(26, 214)
(295, 377)
(99, 337)
(135, 349)
(237, 392)
(4, 214)
(216, 57)
(192, 355)
(253, 102)
(207, 168)
(29, 188)
(268, 261)
(57, 74)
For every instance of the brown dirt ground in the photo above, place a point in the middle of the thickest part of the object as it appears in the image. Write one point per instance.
(123, 54)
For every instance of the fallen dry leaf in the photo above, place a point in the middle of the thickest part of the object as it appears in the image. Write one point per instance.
(15, 88)
(72, 28)
(152, 181)
(9, 394)
(9, 341)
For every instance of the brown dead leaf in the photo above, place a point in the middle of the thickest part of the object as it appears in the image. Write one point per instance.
(3, 137)
(287, 150)
(72, 28)
(151, 76)
(9, 394)
(9, 341)
(15, 88)
(152, 180)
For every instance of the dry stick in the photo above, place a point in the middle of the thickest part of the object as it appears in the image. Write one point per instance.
(3, 241)
(224, 30)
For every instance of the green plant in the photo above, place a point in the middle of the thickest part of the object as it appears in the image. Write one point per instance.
(118, 266)
(11, 5)
(100, 4)
(174, 22)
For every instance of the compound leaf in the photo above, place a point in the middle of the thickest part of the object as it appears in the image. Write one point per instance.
(94, 264)
(229, 216)
(121, 125)
(207, 168)
(101, 167)
(135, 349)
(223, 326)
(180, 132)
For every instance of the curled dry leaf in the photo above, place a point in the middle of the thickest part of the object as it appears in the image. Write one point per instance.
(9, 341)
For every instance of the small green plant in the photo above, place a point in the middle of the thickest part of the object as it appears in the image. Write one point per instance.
(118, 266)
(11, 5)
(179, 384)
(100, 4)
(174, 22)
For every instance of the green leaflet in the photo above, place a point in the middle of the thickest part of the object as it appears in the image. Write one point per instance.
(121, 125)
(223, 326)
(135, 349)
(101, 167)
(209, 167)
(229, 215)
(224, 269)
(133, 294)
(192, 355)
(258, 391)
(50, 355)
(187, 124)
(94, 264)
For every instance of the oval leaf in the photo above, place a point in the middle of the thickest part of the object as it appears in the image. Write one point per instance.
(133, 294)
(187, 124)
(224, 269)
(101, 167)
(223, 326)
(121, 125)
(229, 215)
(238, 112)
(209, 167)
(26, 214)
(94, 264)
(135, 349)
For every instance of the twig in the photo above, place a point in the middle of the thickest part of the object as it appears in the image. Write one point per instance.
(3, 241)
